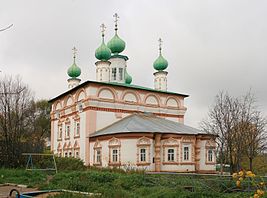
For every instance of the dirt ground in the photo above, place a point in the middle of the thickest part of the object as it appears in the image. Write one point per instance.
(5, 189)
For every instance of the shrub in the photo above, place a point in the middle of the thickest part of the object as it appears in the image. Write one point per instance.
(66, 164)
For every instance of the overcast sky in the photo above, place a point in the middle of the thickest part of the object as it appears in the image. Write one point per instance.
(211, 45)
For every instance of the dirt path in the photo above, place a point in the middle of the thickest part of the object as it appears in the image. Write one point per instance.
(5, 189)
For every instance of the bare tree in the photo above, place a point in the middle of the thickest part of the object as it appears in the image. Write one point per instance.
(15, 102)
(253, 129)
(239, 127)
(3, 29)
(219, 122)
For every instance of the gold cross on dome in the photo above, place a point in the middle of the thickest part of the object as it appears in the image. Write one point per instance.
(74, 51)
(103, 28)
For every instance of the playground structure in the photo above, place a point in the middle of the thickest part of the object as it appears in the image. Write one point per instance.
(41, 162)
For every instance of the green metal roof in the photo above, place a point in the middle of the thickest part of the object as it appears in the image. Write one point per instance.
(117, 85)
(120, 56)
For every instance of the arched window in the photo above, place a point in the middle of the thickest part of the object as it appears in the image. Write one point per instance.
(170, 155)
(76, 150)
(210, 155)
(170, 151)
(59, 134)
(67, 129)
(210, 152)
(143, 151)
(114, 152)
(187, 150)
(97, 154)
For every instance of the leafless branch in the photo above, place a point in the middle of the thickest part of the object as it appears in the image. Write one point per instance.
(6, 28)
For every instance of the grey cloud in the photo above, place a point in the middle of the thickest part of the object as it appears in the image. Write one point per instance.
(210, 45)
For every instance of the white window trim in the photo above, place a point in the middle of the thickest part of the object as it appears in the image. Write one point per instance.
(67, 131)
(170, 143)
(170, 154)
(114, 143)
(143, 143)
(141, 155)
(97, 147)
(189, 152)
(115, 155)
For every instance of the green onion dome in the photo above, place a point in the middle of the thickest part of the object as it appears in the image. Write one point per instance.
(74, 71)
(128, 78)
(103, 53)
(160, 63)
(116, 44)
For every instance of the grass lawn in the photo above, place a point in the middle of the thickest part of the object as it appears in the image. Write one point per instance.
(117, 184)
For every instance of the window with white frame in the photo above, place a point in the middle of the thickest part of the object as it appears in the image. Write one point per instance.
(114, 151)
(70, 154)
(77, 128)
(100, 74)
(115, 155)
(97, 153)
(113, 73)
(120, 73)
(80, 106)
(66, 154)
(98, 156)
(170, 150)
(142, 155)
(171, 155)
(210, 155)
(210, 151)
(60, 132)
(143, 151)
(186, 153)
(67, 135)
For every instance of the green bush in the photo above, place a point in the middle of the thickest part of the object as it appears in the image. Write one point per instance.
(69, 164)
(112, 183)
(19, 176)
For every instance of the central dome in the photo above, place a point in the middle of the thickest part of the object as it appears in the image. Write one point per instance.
(116, 44)
(160, 63)
(103, 53)
(74, 71)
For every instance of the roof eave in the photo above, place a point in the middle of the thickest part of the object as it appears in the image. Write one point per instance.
(182, 133)
(116, 85)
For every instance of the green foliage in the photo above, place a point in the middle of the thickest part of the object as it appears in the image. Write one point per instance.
(19, 176)
(259, 164)
(42, 119)
(112, 184)
(69, 163)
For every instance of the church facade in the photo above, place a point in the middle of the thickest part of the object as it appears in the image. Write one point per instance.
(111, 122)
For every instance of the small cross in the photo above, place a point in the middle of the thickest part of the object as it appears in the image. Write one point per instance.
(160, 43)
(74, 51)
(103, 28)
(116, 16)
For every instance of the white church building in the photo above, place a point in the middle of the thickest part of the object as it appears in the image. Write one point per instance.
(111, 122)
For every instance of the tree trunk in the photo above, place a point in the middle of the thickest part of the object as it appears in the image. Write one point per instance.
(250, 163)
(221, 160)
